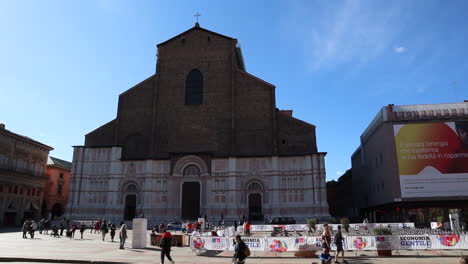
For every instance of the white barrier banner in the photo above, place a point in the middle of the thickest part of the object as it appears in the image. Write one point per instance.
(209, 243)
(449, 241)
(413, 242)
(281, 244)
(254, 243)
(360, 243)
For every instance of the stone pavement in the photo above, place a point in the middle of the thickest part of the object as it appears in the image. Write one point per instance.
(46, 249)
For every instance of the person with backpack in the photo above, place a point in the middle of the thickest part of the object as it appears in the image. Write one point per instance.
(82, 229)
(165, 244)
(241, 251)
(339, 245)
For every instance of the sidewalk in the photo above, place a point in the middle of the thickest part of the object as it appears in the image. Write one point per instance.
(13, 248)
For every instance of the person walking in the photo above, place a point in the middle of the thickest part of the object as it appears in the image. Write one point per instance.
(339, 245)
(97, 227)
(82, 229)
(112, 231)
(73, 229)
(40, 225)
(122, 234)
(62, 226)
(326, 237)
(165, 245)
(104, 231)
(33, 228)
(241, 251)
(46, 226)
(25, 228)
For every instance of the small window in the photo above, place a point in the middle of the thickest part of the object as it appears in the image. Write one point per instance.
(59, 189)
(61, 175)
(194, 88)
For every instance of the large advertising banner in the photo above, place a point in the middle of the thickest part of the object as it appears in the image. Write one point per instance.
(432, 159)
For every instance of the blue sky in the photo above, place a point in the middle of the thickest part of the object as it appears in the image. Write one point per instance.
(335, 63)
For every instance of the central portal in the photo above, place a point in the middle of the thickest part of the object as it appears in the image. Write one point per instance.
(190, 200)
(255, 206)
(130, 207)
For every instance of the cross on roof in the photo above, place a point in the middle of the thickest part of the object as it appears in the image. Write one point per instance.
(197, 15)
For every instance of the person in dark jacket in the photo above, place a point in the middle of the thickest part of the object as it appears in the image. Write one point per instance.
(165, 244)
(82, 229)
(112, 231)
(239, 255)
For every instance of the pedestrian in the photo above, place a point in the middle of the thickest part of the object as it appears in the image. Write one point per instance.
(46, 226)
(339, 245)
(235, 226)
(97, 227)
(25, 228)
(165, 244)
(241, 251)
(73, 229)
(161, 227)
(112, 231)
(122, 234)
(40, 225)
(247, 228)
(104, 231)
(326, 237)
(325, 257)
(62, 227)
(82, 229)
(33, 228)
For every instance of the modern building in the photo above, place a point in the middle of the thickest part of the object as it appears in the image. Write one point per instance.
(22, 177)
(200, 137)
(56, 188)
(412, 163)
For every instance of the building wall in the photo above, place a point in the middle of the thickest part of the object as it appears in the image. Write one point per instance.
(238, 116)
(22, 179)
(376, 179)
(52, 196)
(292, 186)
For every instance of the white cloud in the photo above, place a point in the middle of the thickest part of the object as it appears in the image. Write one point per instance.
(352, 32)
(339, 173)
(400, 49)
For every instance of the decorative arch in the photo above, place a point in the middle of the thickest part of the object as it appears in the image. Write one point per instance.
(191, 170)
(194, 88)
(186, 162)
(130, 186)
(255, 186)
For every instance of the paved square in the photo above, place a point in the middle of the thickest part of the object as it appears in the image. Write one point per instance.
(13, 248)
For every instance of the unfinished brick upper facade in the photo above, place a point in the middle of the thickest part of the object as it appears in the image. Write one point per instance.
(238, 116)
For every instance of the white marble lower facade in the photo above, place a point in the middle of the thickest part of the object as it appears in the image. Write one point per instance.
(102, 186)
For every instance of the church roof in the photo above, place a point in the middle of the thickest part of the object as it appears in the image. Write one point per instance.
(196, 27)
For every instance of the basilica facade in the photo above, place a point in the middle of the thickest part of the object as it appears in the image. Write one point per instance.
(199, 137)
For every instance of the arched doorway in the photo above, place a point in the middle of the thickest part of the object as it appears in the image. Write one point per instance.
(190, 200)
(130, 207)
(131, 198)
(255, 203)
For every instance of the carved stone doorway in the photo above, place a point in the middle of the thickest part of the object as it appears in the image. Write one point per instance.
(130, 207)
(255, 207)
(190, 200)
